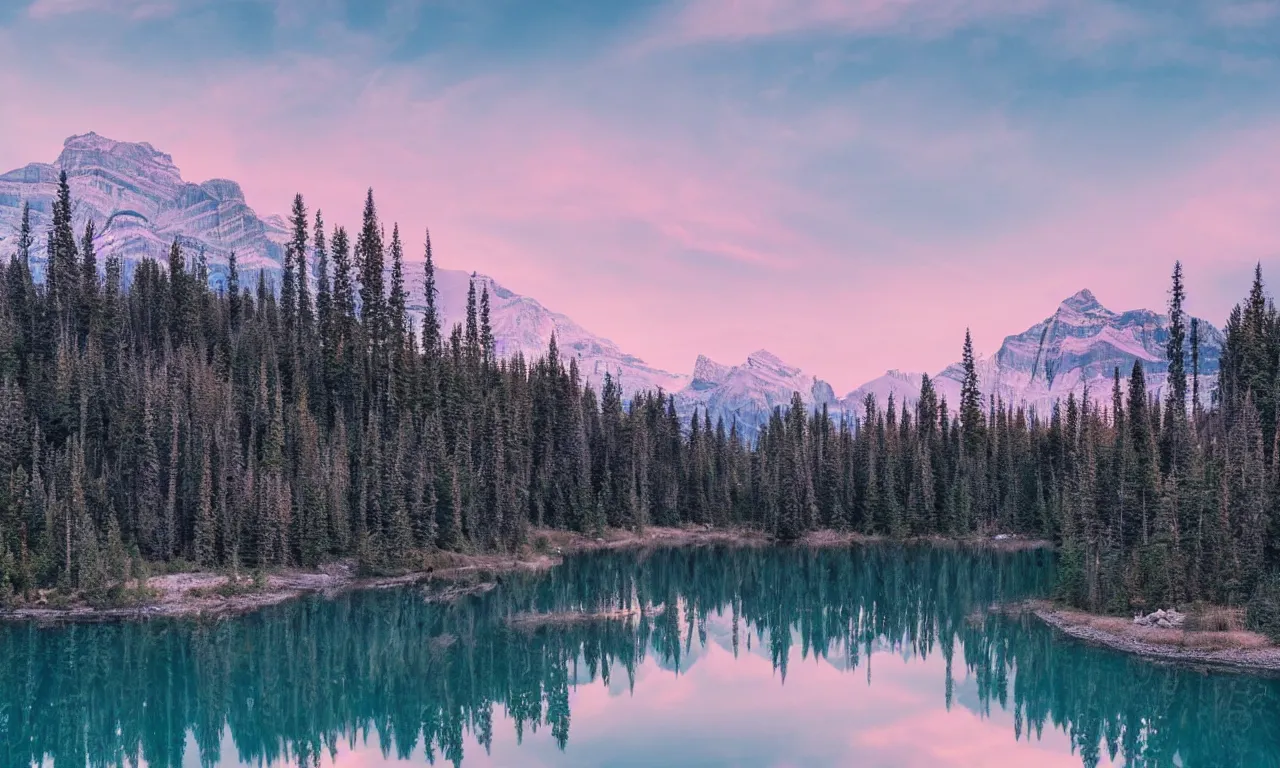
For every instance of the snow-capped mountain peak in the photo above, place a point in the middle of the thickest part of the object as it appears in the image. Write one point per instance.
(140, 204)
(763, 358)
(707, 373)
(1083, 302)
(748, 393)
(1081, 344)
(137, 160)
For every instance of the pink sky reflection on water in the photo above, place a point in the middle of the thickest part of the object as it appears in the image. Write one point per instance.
(727, 711)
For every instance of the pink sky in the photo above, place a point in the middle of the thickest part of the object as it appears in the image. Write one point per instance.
(736, 711)
(899, 721)
(839, 203)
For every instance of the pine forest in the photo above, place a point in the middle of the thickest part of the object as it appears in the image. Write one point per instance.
(149, 420)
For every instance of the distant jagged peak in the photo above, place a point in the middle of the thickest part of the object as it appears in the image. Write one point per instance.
(95, 140)
(708, 370)
(1083, 302)
(75, 147)
(90, 140)
(763, 358)
(707, 374)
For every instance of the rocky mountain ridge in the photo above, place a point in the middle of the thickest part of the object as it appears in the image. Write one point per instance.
(1079, 346)
(140, 204)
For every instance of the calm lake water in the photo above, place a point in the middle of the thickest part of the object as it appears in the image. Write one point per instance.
(877, 655)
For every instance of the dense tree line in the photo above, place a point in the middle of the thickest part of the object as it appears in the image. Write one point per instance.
(164, 420)
(1164, 501)
(417, 677)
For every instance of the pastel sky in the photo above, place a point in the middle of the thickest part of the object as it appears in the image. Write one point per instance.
(746, 715)
(845, 183)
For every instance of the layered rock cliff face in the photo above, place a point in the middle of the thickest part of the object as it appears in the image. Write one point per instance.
(140, 204)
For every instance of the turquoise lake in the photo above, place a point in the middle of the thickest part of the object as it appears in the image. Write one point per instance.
(878, 655)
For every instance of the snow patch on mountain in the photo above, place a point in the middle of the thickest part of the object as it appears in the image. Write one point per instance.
(900, 385)
(140, 204)
(1078, 347)
(522, 325)
(746, 394)
(708, 374)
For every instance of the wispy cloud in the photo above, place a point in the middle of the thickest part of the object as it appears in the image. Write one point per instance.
(1244, 14)
(889, 173)
(133, 9)
(1062, 28)
(728, 20)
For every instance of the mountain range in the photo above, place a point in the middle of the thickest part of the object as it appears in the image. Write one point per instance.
(140, 204)
(1080, 345)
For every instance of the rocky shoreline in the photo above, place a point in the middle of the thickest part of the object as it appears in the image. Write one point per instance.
(208, 594)
(1244, 651)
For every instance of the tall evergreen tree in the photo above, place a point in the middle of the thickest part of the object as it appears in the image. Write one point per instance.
(369, 256)
(301, 250)
(971, 419)
(1195, 366)
(88, 289)
(1176, 401)
(321, 277)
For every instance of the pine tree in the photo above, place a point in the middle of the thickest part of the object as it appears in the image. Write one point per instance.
(472, 338)
(1176, 397)
(88, 290)
(1195, 368)
(233, 292)
(1144, 468)
(430, 316)
(486, 331)
(291, 274)
(452, 534)
(204, 537)
(971, 418)
(62, 272)
(179, 307)
(148, 482)
(301, 248)
(398, 319)
(373, 310)
(25, 238)
(342, 351)
(321, 277)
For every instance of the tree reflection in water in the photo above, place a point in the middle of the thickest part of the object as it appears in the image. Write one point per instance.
(293, 682)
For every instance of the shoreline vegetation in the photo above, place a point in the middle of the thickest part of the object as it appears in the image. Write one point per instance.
(212, 595)
(169, 417)
(1233, 648)
(217, 594)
